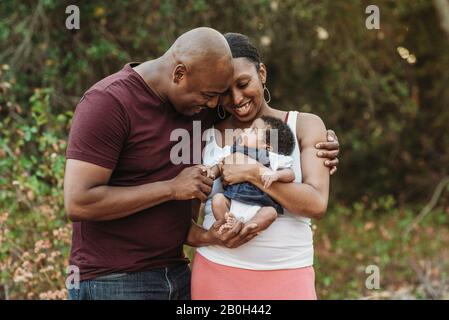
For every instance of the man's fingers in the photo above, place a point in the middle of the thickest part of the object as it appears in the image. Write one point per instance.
(333, 170)
(331, 163)
(207, 180)
(249, 229)
(250, 237)
(217, 224)
(328, 154)
(330, 135)
(209, 173)
(246, 230)
(233, 232)
(237, 227)
(200, 195)
(248, 233)
(205, 188)
(202, 169)
(328, 145)
(245, 239)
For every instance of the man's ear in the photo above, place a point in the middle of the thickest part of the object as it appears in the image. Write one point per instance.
(179, 73)
(263, 72)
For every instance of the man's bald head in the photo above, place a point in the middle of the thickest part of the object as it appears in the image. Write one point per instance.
(200, 47)
(202, 69)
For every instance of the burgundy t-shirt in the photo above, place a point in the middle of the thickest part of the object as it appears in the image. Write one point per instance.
(121, 124)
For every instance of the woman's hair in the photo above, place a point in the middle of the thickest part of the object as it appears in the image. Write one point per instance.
(241, 47)
(285, 137)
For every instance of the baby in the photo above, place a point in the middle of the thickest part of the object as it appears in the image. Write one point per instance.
(245, 201)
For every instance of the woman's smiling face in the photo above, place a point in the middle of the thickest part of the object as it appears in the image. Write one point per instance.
(244, 98)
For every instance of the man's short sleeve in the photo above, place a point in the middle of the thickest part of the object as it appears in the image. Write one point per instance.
(99, 130)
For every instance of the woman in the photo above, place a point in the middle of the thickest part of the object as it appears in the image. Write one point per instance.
(277, 263)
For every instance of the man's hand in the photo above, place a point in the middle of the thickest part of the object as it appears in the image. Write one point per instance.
(209, 171)
(191, 183)
(232, 238)
(329, 150)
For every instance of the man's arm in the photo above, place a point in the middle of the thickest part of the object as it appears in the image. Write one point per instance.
(88, 197)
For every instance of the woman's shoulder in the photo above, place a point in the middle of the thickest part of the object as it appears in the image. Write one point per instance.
(308, 117)
(308, 120)
(309, 125)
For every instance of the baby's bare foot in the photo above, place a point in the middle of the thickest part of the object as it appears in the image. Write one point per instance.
(223, 228)
(230, 219)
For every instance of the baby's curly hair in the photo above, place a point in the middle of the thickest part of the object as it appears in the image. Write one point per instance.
(285, 136)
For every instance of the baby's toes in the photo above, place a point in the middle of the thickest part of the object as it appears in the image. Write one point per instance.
(231, 219)
(222, 229)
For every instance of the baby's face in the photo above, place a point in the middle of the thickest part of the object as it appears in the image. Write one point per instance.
(254, 137)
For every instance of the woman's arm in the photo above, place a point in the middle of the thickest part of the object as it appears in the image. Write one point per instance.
(285, 175)
(308, 198)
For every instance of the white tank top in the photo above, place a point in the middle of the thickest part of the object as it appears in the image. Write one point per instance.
(286, 244)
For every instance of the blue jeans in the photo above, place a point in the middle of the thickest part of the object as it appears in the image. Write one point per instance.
(169, 283)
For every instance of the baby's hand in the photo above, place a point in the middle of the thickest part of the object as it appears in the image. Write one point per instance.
(268, 177)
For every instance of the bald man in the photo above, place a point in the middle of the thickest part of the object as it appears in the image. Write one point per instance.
(131, 207)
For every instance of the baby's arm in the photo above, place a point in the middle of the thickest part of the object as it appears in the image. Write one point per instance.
(282, 175)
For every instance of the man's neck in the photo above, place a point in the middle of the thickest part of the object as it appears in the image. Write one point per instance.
(155, 74)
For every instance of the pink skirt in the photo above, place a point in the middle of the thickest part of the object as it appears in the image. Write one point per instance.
(213, 281)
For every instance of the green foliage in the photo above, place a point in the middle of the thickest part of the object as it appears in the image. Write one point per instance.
(350, 239)
(31, 196)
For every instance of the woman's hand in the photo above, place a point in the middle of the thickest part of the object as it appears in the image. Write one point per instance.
(237, 168)
(330, 151)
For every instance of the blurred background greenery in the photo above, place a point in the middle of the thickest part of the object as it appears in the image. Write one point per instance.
(385, 93)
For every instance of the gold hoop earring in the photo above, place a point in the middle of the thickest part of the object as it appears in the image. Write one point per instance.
(221, 114)
(265, 89)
